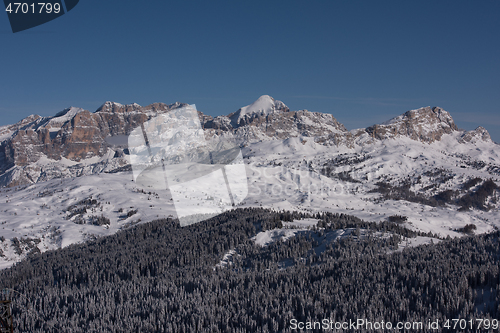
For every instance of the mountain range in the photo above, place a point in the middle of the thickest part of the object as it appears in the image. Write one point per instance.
(67, 178)
(76, 142)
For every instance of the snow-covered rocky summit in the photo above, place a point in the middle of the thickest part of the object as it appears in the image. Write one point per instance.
(425, 124)
(269, 119)
(480, 134)
(263, 106)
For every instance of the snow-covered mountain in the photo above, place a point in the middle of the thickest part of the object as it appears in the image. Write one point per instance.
(76, 142)
(67, 178)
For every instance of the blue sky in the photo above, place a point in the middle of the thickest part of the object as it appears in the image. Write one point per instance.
(362, 61)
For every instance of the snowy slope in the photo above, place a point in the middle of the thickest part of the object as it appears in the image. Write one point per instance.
(42, 211)
(281, 180)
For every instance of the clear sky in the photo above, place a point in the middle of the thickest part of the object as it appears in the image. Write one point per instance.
(362, 61)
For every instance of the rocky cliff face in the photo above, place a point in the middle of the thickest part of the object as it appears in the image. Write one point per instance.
(73, 142)
(71, 136)
(74, 133)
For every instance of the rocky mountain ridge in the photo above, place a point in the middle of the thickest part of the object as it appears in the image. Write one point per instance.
(71, 136)
(74, 141)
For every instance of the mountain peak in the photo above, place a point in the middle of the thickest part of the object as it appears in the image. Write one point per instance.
(264, 105)
(425, 114)
(425, 124)
(479, 134)
(109, 106)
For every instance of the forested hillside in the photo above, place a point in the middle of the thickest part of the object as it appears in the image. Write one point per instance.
(159, 277)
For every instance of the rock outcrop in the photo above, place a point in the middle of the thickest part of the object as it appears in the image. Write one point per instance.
(479, 134)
